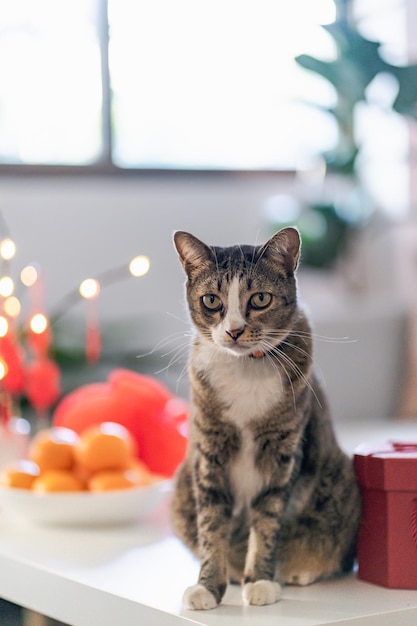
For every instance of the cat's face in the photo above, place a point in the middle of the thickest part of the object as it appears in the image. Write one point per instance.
(242, 298)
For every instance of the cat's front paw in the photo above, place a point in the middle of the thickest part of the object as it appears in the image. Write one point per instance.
(198, 598)
(261, 592)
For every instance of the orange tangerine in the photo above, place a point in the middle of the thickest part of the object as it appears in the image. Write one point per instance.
(144, 476)
(53, 448)
(106, 446)
(20, 475)
(82, 474)
(57, 480)
(110, 480)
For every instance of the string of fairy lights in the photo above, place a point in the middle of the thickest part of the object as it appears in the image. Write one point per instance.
(30, 277)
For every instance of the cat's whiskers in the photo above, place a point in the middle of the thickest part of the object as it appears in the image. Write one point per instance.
(295, 347)
(307, 335)
(294, 402)
(165, 342)
(276, 361)
(317, 337)
(273, 362)
(179, 353)
(183, 372)
(282, 358)
(285, 336)
(185, 321)
(182, 353)
(173, 351)
(274, 357)
(300, 373)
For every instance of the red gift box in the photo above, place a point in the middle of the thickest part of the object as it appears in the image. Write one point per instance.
(387, 542)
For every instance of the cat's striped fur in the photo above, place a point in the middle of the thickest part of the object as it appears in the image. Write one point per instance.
(265, 495)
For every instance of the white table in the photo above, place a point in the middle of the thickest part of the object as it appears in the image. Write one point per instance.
(135, 575)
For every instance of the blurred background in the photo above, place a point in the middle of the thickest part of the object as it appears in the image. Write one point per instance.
(122, 121)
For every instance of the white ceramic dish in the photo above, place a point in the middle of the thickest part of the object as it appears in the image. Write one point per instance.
(85, 508)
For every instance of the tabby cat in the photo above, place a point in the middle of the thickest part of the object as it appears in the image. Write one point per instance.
(265, 496)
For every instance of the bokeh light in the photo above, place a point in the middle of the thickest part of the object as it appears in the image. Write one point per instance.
(89, 288)
(29, 275)
(12, 306)
(7, 249)
(4, 326)
(6, 286)
(139, 266)
(38, 323)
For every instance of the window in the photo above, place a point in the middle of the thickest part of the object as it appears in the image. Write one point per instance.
(214, 84)
(193, 84)
(50, 82)
(172, 84)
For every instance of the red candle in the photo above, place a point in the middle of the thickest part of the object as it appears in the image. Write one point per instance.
(90, 289)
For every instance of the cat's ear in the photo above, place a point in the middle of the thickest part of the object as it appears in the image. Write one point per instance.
(285, 247)
(191, 251)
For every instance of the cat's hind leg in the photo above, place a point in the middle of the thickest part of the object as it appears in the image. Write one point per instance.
(303, 563)
(319, 541)
(314, 550)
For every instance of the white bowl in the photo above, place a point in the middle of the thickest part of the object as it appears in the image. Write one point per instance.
(85, 508)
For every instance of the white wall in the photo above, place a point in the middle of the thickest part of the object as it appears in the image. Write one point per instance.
(77, 227)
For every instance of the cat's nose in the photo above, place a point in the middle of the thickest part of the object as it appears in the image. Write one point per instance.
(235, 333)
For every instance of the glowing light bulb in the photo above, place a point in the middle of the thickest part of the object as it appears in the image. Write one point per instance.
(139, 266)
(89, 288)
(38, 323)
(29, 275)
(3, 369)
(7, 249)
(12, 306)
(6, 286)
(4, 326)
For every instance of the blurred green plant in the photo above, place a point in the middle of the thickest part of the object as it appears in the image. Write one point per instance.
(358, 62)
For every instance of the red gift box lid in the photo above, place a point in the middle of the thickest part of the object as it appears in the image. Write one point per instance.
(390, 465)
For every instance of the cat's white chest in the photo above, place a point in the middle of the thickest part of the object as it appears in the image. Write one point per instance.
(248, 390)
(249, 398)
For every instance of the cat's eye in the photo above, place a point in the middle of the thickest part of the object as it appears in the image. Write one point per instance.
(260, 300)
(212, 302)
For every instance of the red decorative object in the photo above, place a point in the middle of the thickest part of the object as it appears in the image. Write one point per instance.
(43, 383)
(93, 344)
(13, 356)
(387, 544)
(39, 342)
(5, 410)
(156, 418)
(92, 333)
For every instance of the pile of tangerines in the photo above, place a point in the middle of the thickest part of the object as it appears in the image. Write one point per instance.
(102, 458)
